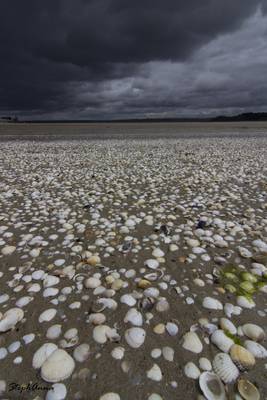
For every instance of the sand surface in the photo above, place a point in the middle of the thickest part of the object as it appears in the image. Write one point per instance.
(190, 197)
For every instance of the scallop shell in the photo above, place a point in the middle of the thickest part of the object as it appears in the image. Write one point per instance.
(247, 390)
(225, 368)
(256, 349)
(223, 342)
(254, 332)
(135, 337)
(211, 386)
(242, 357)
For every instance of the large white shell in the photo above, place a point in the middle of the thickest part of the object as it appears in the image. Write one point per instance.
(212, 304)
(192, 342)
(222, 341)
(211, 386)
(134, 317)
(256, 349)
(10, 319)
(58, 366)
(243, 302)
(42, 354)
(225, 368)
(47, 315)
(254, 332)
(128, 299)
(135, 337)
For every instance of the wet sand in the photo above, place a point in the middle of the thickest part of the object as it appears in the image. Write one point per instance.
(192, 198)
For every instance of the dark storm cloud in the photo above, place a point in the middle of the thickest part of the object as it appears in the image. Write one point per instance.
(85, 57)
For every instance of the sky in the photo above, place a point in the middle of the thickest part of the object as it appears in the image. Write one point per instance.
(110, 59)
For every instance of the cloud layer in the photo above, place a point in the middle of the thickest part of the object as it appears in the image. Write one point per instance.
(119, 58)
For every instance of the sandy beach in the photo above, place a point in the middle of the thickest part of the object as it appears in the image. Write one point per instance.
(133, 261)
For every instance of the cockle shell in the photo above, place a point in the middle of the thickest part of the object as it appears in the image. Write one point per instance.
(225, 368)
(247, 390)
(135, 337)
(222, 341)
(42, 354)
(58, 366)
(256, 349)
(211, 386)
(134, 317)
(10, 319)
(97, 318)
(242, 357)
(92, 283)
(254, 332)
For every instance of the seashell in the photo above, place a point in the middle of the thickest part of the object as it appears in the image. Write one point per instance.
(192, 342)
(254, 332)
(7, 250)
(97, 318)
(47, 315)
(162, 305)
(42, 354)
(244, 302)
(58, 391)
(67, 344)
(10, 319)
(153, 276)
(227, 325)
(247, 390)
(104, 303)
(191, 370)
(159, 329)
(143, 284)
(54, 331)
(171, 328)
(225, 368)
(134, 317)
(242, 357)
(57, 367)
(255, 348)
(212, 304)
(223, 342)
(151, 292)
(112, 335)
(205, 364)
(50, 280)
(128, 299)
(146, 304)
(100, 333)
(211, 386)
(168, 353)
(154, 373)
(118, 353)
(245, 253)
(93, 261)
(110, 396)
(152, 264)
(135, 337)
(92, 283)
(81, 353)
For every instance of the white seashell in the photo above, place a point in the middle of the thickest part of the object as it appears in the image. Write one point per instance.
(3, 353)
(155, 396)
(128, 299)
(211, 386)
(118, 353)
(92, 283)
(47, 315)
(10, 319)
(110, 396)
(135, 337)
(243, 302)
(162, 305)
(35, 253)
(54, 331)
(100, 333)
(152, 264)
(222, 341)
(71, 333)
(260, 244)
(212, 304)
(157, 253)
(192, 342)
(168, 353)
(154, 373)
(97, 318)
(245, 253)
(107, 303)
(134, 317)
(42, 354)
(23, 301)
(7, 250)
(28, 338)
(255, 348)
(58, 366)
(58, 391)
(205, 364)
(50, 280)
(171, 328)
(151, 292)
(13, 347)
(156, 353)
(225, 368)
(153, 276)
(191, 370)
(50, 292)
(81, 353)
(254, 332)
(227, 325)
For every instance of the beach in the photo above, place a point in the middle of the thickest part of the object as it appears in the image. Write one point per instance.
(133, 261)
